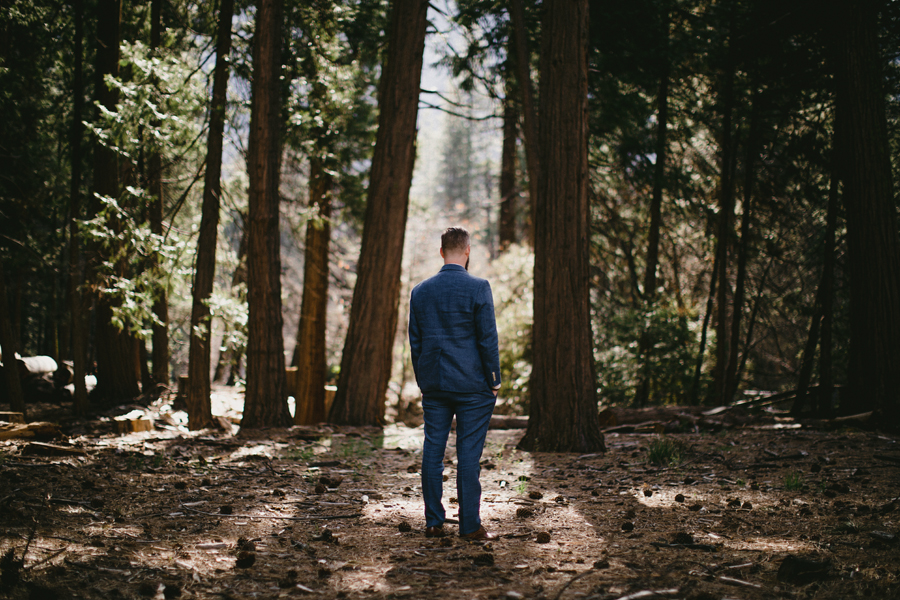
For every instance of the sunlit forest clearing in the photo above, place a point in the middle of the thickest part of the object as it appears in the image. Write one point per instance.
(212, 216)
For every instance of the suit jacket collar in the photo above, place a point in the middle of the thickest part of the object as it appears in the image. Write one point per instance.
(452, 267)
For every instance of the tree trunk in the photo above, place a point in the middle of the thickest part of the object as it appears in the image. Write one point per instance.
(724, 230)
(199, 408)
(523, 75)
(873, 243)
(731, 379)
(118, 371)
(645, 345)
(161, 304)
(698, 367)
(265, 403)
(368, 348)
(509, 194)
(309, 351)
(824, 406)
(563, 411)
(9, 347)
(76, 262)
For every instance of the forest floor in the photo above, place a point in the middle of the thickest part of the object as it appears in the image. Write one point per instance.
(762, 511)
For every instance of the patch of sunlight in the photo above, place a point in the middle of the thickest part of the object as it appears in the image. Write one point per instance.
(768, 545)
(257, 450)
(398, 435)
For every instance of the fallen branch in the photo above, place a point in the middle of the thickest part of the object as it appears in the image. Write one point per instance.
(739, 582)
(571, 581)
(649, 594)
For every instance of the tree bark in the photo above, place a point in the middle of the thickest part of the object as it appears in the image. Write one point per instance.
(523, 75)
(873, 242)
(118, 370)
(9, 347)
(309, 351)
(645, 346)
(368, 348)
(160, 335)
(724, 226)
(76, 263)
(265, 403)
(824, 406)
(509, 194)
(731, 379)
(698, 367)
(563, 412)
(199, 408)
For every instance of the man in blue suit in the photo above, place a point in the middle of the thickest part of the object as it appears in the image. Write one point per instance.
(453, 337)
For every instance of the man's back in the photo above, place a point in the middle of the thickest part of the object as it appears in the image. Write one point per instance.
(453, 334)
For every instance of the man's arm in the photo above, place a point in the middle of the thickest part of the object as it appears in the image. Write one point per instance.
(415, 338)
(486, 335)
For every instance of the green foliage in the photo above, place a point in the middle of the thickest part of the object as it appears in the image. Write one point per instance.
(513, 289)
(671, 362)
(665, 452)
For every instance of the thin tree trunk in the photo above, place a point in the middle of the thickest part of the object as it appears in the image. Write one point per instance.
(9, 347)
(752, 322)
(309, 351)
(265, 403)
(563, 411)
(509, 193)
(873, 242)
(824, 407)
(731, 379)
(199, 408)
(698, 368)
(368, 348)
(523, 75)
(724, 228)
(161, 304)
(76, 262)
(645, 345)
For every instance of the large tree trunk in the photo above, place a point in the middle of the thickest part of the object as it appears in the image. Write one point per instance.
(265, 403)
(78, 328)
(161, 305)
(9, 348)
(529, 128)
(563, 411)
(873, 243)
(368, 349)
(199, 408)
(309, 351)
(509, 194)
(118, 370)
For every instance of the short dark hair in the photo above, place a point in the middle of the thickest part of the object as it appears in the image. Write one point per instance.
(454, 239)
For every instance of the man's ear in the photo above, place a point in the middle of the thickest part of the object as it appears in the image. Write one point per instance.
(442, 252)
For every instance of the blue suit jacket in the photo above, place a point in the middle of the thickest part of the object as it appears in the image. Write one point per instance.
(453, 334)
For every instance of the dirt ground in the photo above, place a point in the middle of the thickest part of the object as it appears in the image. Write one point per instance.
(768, 510)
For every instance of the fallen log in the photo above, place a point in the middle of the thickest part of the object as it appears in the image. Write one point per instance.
(38, 430)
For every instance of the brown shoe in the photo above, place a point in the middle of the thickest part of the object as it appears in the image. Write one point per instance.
(435, 531)
(480, 535)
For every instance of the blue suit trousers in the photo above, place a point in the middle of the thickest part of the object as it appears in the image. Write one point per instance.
(473, 415)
